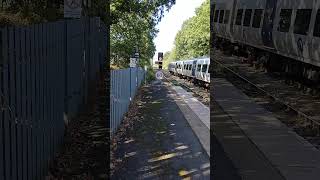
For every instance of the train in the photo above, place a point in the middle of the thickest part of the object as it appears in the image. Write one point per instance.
(285, 33)
(195, 70)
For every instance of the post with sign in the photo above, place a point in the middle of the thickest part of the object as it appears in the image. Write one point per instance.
(159, 74)
(132, 65)
(160, 58)
(72, 8)
(136, 55)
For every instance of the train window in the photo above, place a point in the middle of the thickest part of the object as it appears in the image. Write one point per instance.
(239, 17)
(204, 68)
(247, 17)
(257, 16)
(199, 67)
(227, 17)
(190, 66)
(221, 16)
(216, 15)
(301, 24)
(316, 30)
(285, 20)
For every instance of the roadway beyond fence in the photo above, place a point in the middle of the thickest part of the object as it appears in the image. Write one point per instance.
(124, 85)
(45, 74)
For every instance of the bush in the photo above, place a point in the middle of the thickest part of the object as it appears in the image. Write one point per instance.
(150, 74)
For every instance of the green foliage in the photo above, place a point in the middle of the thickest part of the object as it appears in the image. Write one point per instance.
(150, 74)
(133, 25)
(193, 39)
(166, 57)
(36, 11)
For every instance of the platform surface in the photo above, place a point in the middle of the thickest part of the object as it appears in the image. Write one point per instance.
(202, 111)
(160, 144)
(293, 156)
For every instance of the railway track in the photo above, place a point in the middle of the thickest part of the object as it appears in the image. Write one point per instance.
(302, 123)
(202, 94)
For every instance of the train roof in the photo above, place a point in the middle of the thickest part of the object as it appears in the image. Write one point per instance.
(198, 58)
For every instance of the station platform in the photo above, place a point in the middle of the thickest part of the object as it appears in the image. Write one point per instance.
(196, 113)
(160, 144)
(272, 146)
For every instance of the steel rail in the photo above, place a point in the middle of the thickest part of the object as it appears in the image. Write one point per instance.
(305, 116)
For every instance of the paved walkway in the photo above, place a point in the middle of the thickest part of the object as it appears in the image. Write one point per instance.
(161, 144)
(289, 153)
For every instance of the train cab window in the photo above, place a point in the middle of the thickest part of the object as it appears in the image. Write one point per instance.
(301, 24)
(227, 17)
(316, 30)
(285, 20)
(216, 15)
(239, 17)
(221, 16)
(247, 17)
(257, 16)
(204, 68)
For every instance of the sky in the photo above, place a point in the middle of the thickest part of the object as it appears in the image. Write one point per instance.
(171, 23)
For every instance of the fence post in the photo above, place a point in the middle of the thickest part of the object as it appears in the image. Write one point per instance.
(130, 85)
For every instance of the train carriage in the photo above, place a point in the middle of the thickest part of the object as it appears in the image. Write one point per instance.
(187, 68)
(202, 70)
(286, 29)
(196, 70)
(179, 66)
(172, 67)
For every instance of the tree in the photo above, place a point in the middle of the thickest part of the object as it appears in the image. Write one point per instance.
(193, 40)
(24, 12)
(133, 25)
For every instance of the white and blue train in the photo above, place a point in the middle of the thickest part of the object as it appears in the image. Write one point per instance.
(286, 32)
(196, 70)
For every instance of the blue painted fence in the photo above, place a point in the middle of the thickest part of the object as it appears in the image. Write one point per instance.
(124, 85)
(45, 73)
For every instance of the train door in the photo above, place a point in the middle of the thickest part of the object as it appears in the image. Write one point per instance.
(268, 20)
(207, 75)
(212, 10)
(315, 51)
(194, 66)
(301, 32)
(233, 16)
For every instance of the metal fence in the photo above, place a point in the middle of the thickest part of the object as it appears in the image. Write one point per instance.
(45, 72)
(124, 85)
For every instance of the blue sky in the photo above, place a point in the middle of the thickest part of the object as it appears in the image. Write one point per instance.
(171, 23)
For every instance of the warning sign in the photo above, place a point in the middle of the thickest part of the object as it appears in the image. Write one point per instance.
(159, 75)
(133, 62)
(72, 8)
